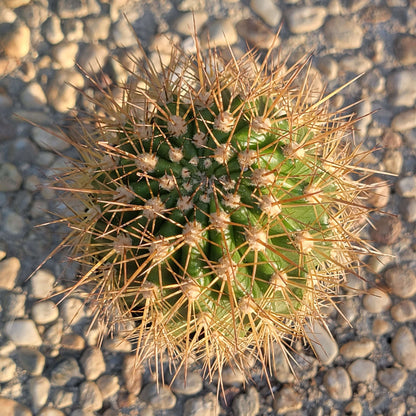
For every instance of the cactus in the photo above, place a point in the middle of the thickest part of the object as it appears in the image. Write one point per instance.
(214, 207)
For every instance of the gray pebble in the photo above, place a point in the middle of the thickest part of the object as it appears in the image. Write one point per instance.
(53, 335)
(41, 283)
(52, 30)
(11, 407)
(31, 360)
(405, 49)
(45, 312)
(392, 378)
(393, 162)
(376, 301)
(97, 28)
(219, 33)
(401, 281)
(408, 209)
(14, 223)
(23, 332)
(123, 35)
(108, 385)
(202, 406)
(92, 58)
(7, 369)
(338, 384)
(403, 347)
(404, 311)
(188, 22)
(322, 342)
(66, 373)
(247, 404)
(355, 64)
(189, 384)
(406, 186)
(10, 177)
(132, 374)
(287, 400)
(280, 365)
(362, 370)
(92, 362)
(342, 33)
(15, 43)
(160, 397)
(64, 54)
(357, 349)
(13, 304)
(72, 310)
(90, 398)
(267, 10)
(232, 376)
(33, 97)
(405, 120)
(401, 87)
(39, 392)
(305, 19)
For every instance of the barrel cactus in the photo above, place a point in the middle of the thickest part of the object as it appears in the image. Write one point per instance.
(214, 207)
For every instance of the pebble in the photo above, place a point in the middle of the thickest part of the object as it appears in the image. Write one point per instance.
(202, 406)
(287, 400)
(92, 362)
(393, 161)
(405, 120)
(72, 310)
(123, 34)
(9, 270)
(66, 373)
(117, 344)
(362, 370)
(90, 398)
(338, 383)
(72, 342)
(10, 407)
(189, 22)
(232, 376)
(257, 34)
(39, 391)
(61, 93)
(379, 193)
(93, 57)
(357, 349)
(63, 398)
(97, 28)
(7, 369)
(328, 67)
(387, 230)
(246, 404)
(322, 342)
(406, 186)
(160, 397)
(376, 301)
(52, 30)
(380, 261)
(189, 384)
(403, 347)
(132, 374)
(353, 408)
(405, 49)
(219, 33)
(14, 223)
(16, 41)
(108, 385)
(10, 177)
(408, 210)
(41, 283)
(31, 360)
(401, 87)
(33, 97)
(401, 281)
(280, 365)
(404, 311)
(14, 4)
(355, 64)
(64, 54)
(70, 9)
(305, 19)
(23, 332)
(393, 378)
(73, 30)
(381, 327)
(342, 33)
(53, 335)
(267, 10)
(45, 312)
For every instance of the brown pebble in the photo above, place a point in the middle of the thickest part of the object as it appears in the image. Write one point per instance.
(387, 230)
(379, 193)
(392, 140)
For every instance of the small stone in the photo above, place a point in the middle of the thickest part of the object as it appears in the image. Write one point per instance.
(159, 396)
(401, 87)
(67, 9)
(219, 33)
(408, 209)
(65, 54)
(322, 342)
(73, 342)
(189, 22)
(353, 408)
(33, 97)
(393, 161)
(108, 385)
(52, 30)
(50, 411)
(23, 332)
(10, 407)
(41, 283)
(63, 398)
(16, 41)
(123, 34)
(342, 33)
(267, 10)
(387, 230)
(7, 369)
(402, 281)
(93, 57)
(187, 384)
(404, 311)
(66, 373)
(92, 361)
(39, 391)
(305, 19)
(72, 310)
(406, 186)
(357, 349)
(392, 140)
(362, 371)
(117, 344)
(287, 400)
(97, 28)
(405, 49)
(10, 178)
(45, 312)
(31, 360)
(379, 193)
(381, 327)
(280, 365)
(53, 335)
(338, 384)
(247, 404)
(90, 398)
(202, 406)
(328, 67)
(132, 374)
(376, 301)
(256, 34)
(392, 378)
(14, 223)
(403, 347)
(14, 4)
(73, 30)
(232, 376)
(405, 120)
(9, 270)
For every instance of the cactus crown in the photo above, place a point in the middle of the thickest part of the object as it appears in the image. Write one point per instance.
(214, 207)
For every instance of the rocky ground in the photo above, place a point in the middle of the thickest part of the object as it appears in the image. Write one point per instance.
(49, 362)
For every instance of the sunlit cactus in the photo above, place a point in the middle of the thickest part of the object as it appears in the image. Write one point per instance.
(214, 207)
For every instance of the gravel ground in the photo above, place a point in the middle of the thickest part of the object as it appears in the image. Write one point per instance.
(49, 362)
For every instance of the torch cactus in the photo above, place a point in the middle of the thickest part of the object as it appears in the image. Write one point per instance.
(215, 207)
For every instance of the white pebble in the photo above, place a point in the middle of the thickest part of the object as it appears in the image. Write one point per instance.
(45, 312)
(23, 332)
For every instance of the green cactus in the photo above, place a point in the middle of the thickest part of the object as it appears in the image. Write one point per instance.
(214, 207)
